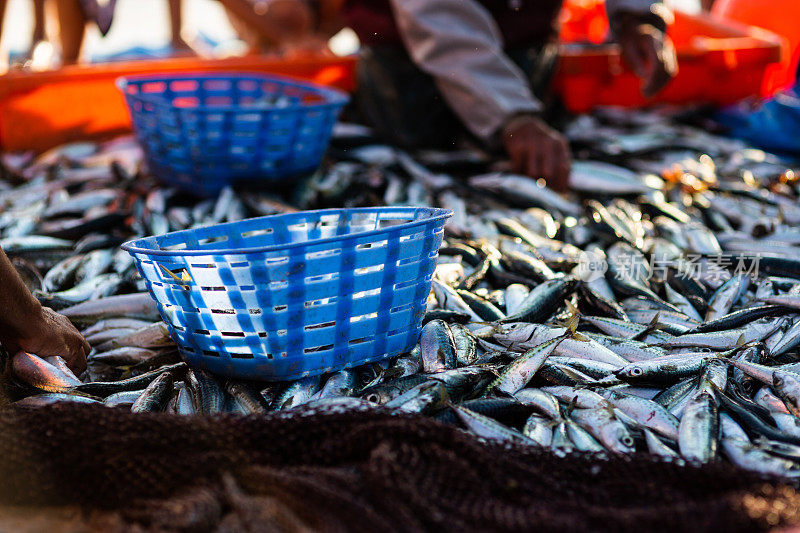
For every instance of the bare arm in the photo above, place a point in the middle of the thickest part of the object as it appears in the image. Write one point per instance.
(17, 303)
(26, 325)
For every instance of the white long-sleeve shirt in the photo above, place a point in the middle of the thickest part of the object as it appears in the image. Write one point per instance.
(458, 43)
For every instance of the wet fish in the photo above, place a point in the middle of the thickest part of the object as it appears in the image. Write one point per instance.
(39, 373)
(155, 395)
(674, 297)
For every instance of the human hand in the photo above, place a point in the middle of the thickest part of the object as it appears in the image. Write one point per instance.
(47, 333)
(650, 53)
(537, 150)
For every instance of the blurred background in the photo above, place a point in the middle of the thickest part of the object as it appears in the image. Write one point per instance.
(141, 29)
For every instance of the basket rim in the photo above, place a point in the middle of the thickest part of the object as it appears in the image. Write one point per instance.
(436, 214)
(335, 96)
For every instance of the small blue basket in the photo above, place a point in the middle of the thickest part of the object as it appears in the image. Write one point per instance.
(287, 296)
(201, 132)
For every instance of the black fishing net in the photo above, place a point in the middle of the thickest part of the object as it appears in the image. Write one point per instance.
(353, 471)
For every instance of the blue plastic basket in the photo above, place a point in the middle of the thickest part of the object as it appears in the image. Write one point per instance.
(201, 132)
(287, 296)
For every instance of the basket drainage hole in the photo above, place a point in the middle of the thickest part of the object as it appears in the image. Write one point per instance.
(173, 247)
(362, 340)
(224, 311)
(318, 348)
(201, 331)
(212, 240)
(212, 288)
(256, 233)
(320, 326)
(232, 333)
(241, 355)
(364, 317)
(210, 353)
(405, 284)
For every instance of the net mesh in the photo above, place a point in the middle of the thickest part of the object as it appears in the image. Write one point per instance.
(354, 471)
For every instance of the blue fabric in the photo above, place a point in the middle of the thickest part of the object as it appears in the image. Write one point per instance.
(773, 126)
(288, 296)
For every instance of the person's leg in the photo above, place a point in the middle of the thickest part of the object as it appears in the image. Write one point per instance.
(37, 36)
(3, 51)
(71, 29)
(175, 23)
(402, 103)
(2, 16)
(38, 22)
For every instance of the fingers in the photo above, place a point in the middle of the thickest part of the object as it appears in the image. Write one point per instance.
(631, 51)
(547, 160)
(536, 150)
(651, 56)
(79, 351)
(86, 346)
(75, 354)
(664, 66)
(534, 162)
(67, 342)
(560, 180)
(518, 158)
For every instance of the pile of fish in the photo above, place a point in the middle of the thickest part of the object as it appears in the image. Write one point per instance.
(655, 308)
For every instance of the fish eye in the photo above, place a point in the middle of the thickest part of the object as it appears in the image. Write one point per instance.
(627, 440)
(373, 397)
(636, 371)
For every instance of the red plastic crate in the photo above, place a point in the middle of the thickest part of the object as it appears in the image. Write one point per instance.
(719, 63)
(778, 16)
(39, 110)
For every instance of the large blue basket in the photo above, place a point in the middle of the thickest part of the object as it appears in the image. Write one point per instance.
(287, 296)
(201, 132)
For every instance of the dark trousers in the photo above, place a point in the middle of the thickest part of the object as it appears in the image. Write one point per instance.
(404, 106)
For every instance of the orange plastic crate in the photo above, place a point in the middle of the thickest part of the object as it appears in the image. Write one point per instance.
(719, 63)
(39, 110)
